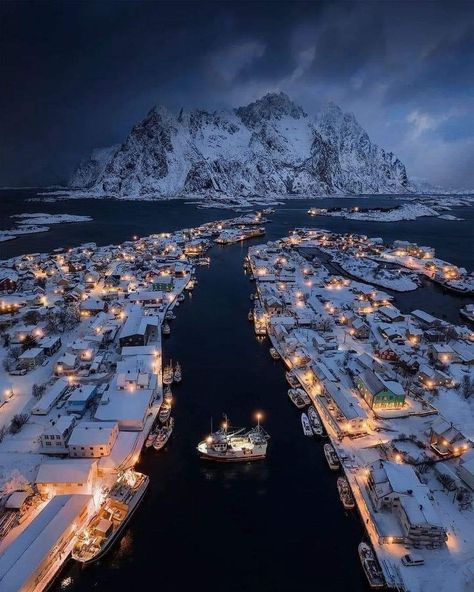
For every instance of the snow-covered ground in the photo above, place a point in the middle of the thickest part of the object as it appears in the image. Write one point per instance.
(34, 223)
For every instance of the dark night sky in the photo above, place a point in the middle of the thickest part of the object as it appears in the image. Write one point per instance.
(78, 75)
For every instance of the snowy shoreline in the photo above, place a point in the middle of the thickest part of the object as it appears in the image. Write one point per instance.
(38, 222)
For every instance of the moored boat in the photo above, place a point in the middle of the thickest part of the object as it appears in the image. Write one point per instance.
(331, 457)
(297, 399)
(168, 374)
(232, 444)
(163, 435)
(105, 526)
(315, 421)
(291, 379)
(167, 394)
(345, 493)
(307, 431)
(275, 355)
(164, 413)
(468, 312)
(181, 297)
(177, 375)
(371, 566)
(165, 328)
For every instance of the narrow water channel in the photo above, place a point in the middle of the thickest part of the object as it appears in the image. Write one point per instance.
(272, 526)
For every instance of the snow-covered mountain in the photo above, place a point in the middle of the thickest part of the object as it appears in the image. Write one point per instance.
(270, 147)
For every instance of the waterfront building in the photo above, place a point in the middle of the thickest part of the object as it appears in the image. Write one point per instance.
(80, 398)
(378, 392)
(138, 329)
(34, 556)
(93, 439)
(395, 488)
(60, 477)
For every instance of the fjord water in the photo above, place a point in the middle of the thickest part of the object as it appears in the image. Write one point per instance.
(273, 526)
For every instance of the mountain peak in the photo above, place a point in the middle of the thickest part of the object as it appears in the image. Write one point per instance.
(270, 106)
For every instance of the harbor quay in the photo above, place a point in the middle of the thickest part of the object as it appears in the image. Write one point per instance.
(392, 393)
(85, 390)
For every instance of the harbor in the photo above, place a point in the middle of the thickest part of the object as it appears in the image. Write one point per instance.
(214, 307)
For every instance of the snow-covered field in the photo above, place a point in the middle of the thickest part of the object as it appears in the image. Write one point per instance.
(39, 222)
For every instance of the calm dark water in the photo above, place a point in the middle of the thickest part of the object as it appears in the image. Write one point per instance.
(274, 526)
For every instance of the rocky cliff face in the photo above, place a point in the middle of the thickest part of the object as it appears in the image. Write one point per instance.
(270, 148)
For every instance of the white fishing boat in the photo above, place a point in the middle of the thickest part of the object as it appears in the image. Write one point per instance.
(307, 431)
(275, 355)
(296, 398)
(177, 376)
(168, 374)
(331, 457)
(181, 297)
(165, 328)
(468, 312)
(232, 444)
(164, 413)
(151, 438)
(114, 514)
(190, 285)
(345, 493)
(315, 421)
(167, 394)
(291, 379)
(170, 316)
(163, 435)
(371, 566)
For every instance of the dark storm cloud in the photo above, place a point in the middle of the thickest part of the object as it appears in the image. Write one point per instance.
(77, 75)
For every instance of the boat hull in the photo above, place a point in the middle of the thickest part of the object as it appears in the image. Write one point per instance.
(228, 459)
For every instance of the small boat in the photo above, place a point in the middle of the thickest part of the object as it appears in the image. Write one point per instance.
(315, 421)
(331, 457)
(275, 355)
(151, 438)
(292, 380)
(307, 431)
(468, 312)
(181, 297)
(168, 374)
(164, 413)
(167, 395)
(252, 296)
(296, 398)
(190, 285)
(177, 376)
(170, 316)
(163, 435)
(371, 566)
(345, 493)
(250, 315)
(165, 328)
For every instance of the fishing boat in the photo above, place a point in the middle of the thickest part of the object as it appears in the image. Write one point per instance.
(291, 379)
(296, 398)
(165, 328)
(164, 414)
(468, 312)
(315, 421)
(190, 285)
(307, 431)
(177, 375)
(163, 435)
(250, 315)
(275, 355)
(331, 457)
(167, 394)
(168, 374)
(114, 514)
(371, 566)
(151, 438)
(181, 297)
(231, 444)
(170, 316)
(345, 493)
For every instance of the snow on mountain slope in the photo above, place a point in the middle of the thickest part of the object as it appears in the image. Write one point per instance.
(269, 147)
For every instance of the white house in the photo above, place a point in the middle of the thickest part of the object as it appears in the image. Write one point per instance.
(55, 435)
(60, 477)
(93, 439)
